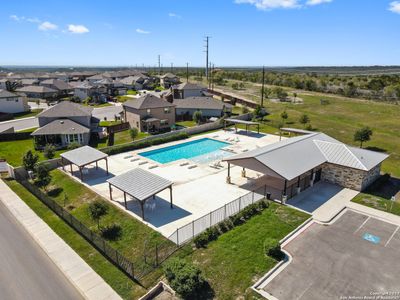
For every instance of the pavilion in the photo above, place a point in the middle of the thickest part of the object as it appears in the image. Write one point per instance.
(247, 124)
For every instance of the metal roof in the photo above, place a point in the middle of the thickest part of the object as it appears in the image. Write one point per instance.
(83, 156)
(61, 126)
(295, 156)
(140, 184)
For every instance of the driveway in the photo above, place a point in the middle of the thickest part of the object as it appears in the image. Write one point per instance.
(26, 272)
(356, 256)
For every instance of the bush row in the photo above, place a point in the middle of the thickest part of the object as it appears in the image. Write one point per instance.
(272, 248)
(147, 142)
(241, 217)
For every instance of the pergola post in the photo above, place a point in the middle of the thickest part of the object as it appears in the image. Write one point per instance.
(80, 172)
(70, 167)
(170, 195)
(243, 172)
(141, 206)
(97, 166)
(62, 163)
(126, 206)
(284, 191)
(110, 188)
(228, 178)
(106, 165)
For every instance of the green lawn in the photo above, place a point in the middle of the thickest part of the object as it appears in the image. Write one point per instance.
(134, 233)
(108, 123)
(379, 194)
(97, 104)
(124, 286)
(186, 123)
(27, 114)
(237, 259)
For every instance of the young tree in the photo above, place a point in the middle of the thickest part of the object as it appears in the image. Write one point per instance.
(133, 132)
(197, 116)
(43, 177)
(284, 116)
(49, 151)
(29, 160)
(363, 135)
(304, 119)
(97, 210)
(267, 92)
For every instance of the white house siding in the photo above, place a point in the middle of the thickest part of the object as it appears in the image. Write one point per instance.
(81, 93)
(13, 105)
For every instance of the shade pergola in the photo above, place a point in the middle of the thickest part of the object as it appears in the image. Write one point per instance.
(82, 157)
(141, 185)
(242, 122)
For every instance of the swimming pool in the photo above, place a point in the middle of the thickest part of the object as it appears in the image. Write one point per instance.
(200, 151)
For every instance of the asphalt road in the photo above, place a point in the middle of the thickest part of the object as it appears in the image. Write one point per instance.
(26, 272)
(20, 124)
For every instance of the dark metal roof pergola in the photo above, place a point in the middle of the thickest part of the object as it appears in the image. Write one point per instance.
(82, 157)
(141, 185)
(242, 122)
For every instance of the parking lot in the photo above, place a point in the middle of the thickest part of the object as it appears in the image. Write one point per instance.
(356, 256)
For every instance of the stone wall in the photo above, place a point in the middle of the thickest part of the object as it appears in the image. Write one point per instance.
(348, 177)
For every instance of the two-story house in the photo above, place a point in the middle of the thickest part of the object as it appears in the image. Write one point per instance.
(149, 113)
(12, 103)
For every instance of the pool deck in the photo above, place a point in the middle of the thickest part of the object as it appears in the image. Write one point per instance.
(197, 190)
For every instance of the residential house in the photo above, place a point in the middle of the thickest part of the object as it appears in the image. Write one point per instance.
(63, 88)
(97, 92)
(63, 124)
(12, 103)
(37, 91)
(168, 80)
(187, 89)
(149, 113)
(208, 106)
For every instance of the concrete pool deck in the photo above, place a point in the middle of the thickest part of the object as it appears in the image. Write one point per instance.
(198, 188)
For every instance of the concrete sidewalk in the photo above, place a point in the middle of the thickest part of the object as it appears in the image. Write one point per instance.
(78, 272)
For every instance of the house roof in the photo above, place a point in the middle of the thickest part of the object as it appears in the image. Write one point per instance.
(189, 86)
(147, 101)
(169, 75)
(200, 103)
(36, 89)
(66, 109)
(61, 126)
(83, 156)
(58, 84)
(7, 94)
(140, 184)
(295, 156)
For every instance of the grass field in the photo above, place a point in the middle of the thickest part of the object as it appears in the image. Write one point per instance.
(124, 286)
(186, 123)
(237, 259)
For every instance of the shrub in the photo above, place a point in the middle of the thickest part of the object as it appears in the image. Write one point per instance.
(30, 160)
(49, 151)
(211, 234)
(185, 278)
(225, 226)
(200, 241)
(133, 133)
(43, 177)
(73, 145)
(236, 219)
(262, 204)
(97, 209)
(272, 248)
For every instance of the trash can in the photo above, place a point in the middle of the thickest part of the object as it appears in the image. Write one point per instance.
(268, 195)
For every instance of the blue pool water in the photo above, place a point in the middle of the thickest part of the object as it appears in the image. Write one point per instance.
(200, 151)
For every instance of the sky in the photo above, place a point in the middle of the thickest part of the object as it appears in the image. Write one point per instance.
(243, 32)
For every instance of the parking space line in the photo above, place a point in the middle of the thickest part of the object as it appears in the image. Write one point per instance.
(387, 243)
(361, 225)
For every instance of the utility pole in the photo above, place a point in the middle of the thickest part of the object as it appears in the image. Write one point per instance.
(159, 64)
(187, 72)
(262, 87)
(207, 38)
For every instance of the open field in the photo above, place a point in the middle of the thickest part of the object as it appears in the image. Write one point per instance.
(339, 119)
(237, 259)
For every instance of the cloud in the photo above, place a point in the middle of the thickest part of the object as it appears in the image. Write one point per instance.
(285, 4)
(395, 7)
(45, 26)
(270, 4)
(17, 18)
(33, 20)
(174, 15)
(316, 2)
(78, 29)
(141, 31)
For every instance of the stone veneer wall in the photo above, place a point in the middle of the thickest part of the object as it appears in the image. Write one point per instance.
(348, 177)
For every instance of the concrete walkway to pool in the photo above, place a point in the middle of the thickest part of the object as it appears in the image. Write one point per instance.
(323, 200)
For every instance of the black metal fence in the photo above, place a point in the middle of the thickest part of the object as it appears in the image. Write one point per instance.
(186, 233)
